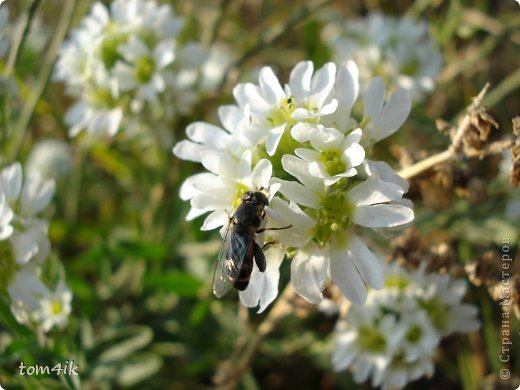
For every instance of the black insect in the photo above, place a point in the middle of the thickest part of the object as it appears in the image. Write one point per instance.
(235, 258)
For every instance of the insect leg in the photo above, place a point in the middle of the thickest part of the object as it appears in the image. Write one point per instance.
(280, 228)
(259, 257)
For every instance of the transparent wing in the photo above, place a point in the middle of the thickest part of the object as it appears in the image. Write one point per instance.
(230, 259)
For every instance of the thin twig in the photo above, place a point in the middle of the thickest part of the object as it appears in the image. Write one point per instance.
(283, 307)
(43, 78)
(454, 149)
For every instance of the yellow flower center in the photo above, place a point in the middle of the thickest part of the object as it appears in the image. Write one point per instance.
(144, 69)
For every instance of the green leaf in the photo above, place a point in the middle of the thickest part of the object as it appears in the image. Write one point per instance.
(125, 343)
(132, 249)
(140, 367)
(178, 282)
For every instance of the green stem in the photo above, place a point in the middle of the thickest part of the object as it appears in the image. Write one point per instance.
(218, 21)
(273, 35)
(16, 47)
(43, 78)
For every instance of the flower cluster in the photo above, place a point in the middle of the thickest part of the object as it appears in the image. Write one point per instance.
(24, 247)
(301, 144)
(397, 49)
(393, 337)
(125, 65)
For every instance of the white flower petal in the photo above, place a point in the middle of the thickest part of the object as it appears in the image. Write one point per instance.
(11, 181)
(230, 117)
(300, 169)
(164, 54)
(263, 286)
(329, 108)
(309, 273)
(366, 263)
(217, 198)
(215, 219)
(347, 87)
(190, 151)
(374, 98)
(346, 276)
(300, 79)
(36, 194)
(300, 131)
(383, 215)
(297, 193)
(270, 86)
(273, 139)
(395, 112)
(193, 185)
(307, 154)
(244, 165)
(249, 94)
(385, 172)
(211, 160)
(281, 214)
(373, 191)
(262, 174)
(27, 289)
(322, 83)
(208, 134)
(354, 155)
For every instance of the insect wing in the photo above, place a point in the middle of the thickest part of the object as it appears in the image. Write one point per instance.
(230, 259)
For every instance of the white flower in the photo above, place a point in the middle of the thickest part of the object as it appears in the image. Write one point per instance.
(122, 62)
(142, 68)
(54, 308)
(395, 355)
(399, 50)
(28, 196)
(305, 98)
(442, 301)
(384, 119)
(421, 337)
(380, 119)
(50, 159)
(366, 341)
(32, 303)
(351, 263)
(303, 136)
(335, 156)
